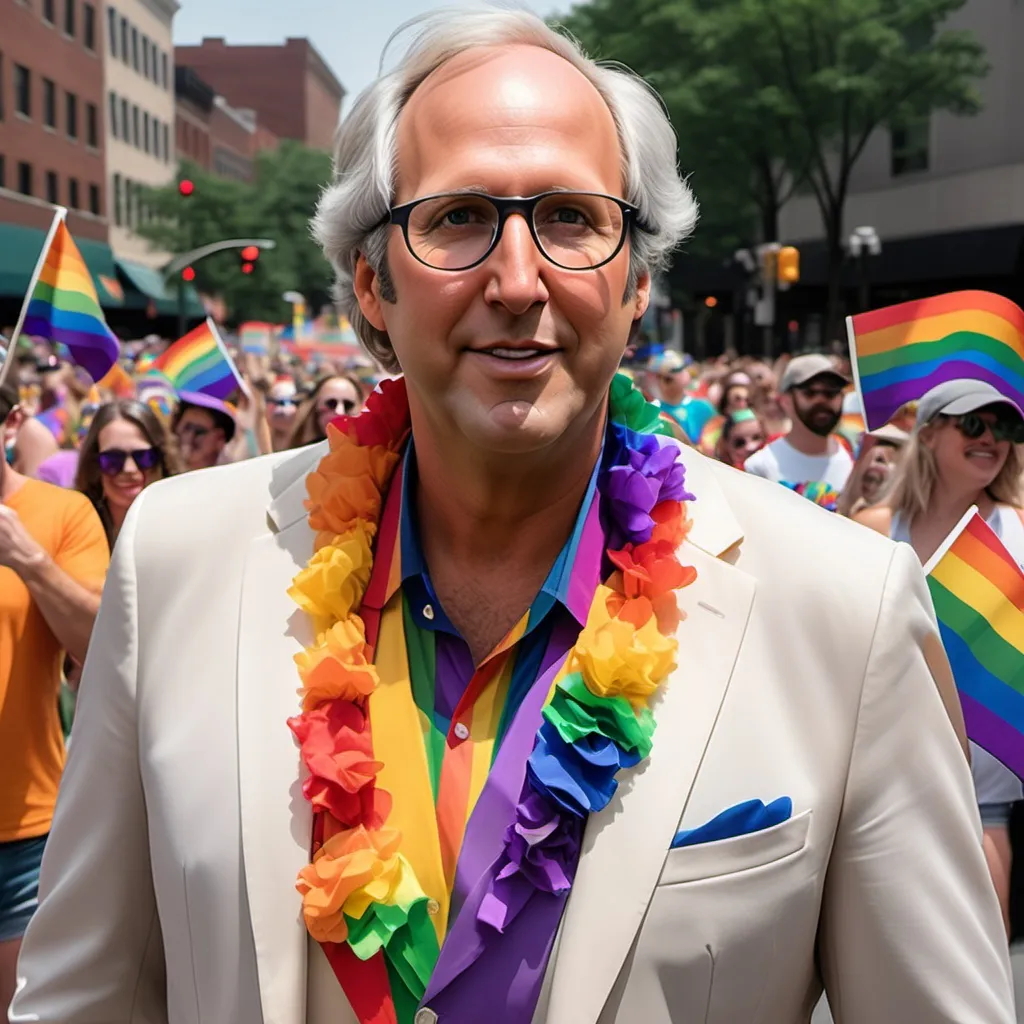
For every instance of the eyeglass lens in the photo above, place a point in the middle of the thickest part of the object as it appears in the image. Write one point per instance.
(574, 230)
(973, 426)
(331, 404)
(113, 460)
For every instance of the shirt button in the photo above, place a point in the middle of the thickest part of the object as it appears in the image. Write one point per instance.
(433, 908)
(425, 1015)
(428, 614)
(461, 731)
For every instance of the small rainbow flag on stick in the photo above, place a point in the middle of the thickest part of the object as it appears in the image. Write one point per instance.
(255, 336)
(200, 362)
(901, 352)
(978, 592)
(61, 305)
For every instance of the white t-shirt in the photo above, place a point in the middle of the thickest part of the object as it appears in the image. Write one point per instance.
(994, 783)
(781, 462)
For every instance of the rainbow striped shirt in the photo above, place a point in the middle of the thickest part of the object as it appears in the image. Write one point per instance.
(465, 709)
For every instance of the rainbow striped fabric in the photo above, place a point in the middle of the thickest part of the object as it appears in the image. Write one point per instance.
(464, 709)
(901, 352)
(63, 308)
(978, 591)
(200, 362)
(254, 337)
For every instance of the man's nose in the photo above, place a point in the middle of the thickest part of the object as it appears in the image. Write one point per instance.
(515, 268)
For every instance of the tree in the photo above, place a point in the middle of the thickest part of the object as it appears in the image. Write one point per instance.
(791, 89)
(278, 203)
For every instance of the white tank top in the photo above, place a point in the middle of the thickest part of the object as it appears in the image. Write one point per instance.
(994, 783)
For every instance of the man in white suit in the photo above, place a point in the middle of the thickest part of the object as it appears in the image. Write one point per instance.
(805, 817)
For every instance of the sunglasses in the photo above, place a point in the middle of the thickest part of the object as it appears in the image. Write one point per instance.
(828, 394)
(112, 461)
(973, 426)
(192, 431)
(331, 405)
(282, 403)
(743, 442)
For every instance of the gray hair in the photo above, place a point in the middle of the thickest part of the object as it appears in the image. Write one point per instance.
(349, 215)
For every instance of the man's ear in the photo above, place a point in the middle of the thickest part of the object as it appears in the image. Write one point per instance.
(642, 299)
(366, 286)
(15, 418)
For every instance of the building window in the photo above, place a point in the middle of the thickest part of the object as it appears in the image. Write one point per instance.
(69, 18)
(111, 31)
(73, 193)
(23, 92)
(117, 200)
(49, 16)
(72, 115)
(94, 200)
(145, 132)
(135, 126)
(52, 195)
(909, 146)
(167, 144)
(145, 57)
(25, 178)
(163, 67)
(49, 103)
(113, 114)
(89, 27)
(125, 55)
(92, 126)
(135, 48)
(156, 138)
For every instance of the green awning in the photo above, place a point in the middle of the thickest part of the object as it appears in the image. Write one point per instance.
(20, 247)
(144, 285)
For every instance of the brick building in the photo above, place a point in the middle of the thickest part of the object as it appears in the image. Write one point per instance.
(51, 114)
(289, 87)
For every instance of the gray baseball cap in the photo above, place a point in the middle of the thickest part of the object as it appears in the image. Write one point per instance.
(805, 368)
(959, 397)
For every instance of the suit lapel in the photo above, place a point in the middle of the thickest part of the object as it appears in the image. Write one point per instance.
(625, 845)
(276, 818)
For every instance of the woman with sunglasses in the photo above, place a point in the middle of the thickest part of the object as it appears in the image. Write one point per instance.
(742, 434)
(332, 397)
(282, 405)
(965, 450)
(124, 452)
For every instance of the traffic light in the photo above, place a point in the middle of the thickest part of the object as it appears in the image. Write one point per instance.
(788, 265)
(250, 254)
(188, 274)
(186, 187)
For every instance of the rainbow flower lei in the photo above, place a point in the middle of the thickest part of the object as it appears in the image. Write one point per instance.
(359, 889)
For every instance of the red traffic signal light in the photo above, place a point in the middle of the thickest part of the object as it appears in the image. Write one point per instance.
(188, 274)
(186, 187)
(247, 268)
(251, 253)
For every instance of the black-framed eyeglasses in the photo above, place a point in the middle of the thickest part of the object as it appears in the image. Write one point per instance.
(459, 230)
(1004, 428)
(815, 391)
(112, 461)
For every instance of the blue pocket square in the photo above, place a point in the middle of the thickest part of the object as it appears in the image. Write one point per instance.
(749, 816)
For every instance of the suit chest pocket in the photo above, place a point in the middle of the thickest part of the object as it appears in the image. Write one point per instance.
(739, 853)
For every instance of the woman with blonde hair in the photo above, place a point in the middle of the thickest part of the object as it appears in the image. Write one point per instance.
(965, 450)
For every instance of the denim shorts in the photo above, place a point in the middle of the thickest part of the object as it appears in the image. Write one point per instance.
(19, 885)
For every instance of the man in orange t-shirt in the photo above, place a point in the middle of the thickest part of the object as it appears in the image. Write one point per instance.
(53, 560)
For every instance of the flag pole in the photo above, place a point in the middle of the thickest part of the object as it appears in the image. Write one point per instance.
(851, 336)
(948, 542)
(59, 214)
(224, 352)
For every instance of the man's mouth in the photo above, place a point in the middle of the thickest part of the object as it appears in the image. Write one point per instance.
(515, 354)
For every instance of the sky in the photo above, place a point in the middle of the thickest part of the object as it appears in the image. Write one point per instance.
(349, 34)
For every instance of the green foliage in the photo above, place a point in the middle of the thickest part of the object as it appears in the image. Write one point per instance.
(278, 203)
(767, 95)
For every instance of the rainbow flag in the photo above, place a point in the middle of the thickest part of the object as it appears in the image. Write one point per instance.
(901, 352)
(254, 337)
(62, 306)
(978, 591)
(200, 362)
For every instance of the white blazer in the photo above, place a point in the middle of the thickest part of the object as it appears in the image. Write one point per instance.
(168, 882)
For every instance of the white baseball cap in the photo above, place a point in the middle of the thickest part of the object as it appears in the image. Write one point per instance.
(959, 397)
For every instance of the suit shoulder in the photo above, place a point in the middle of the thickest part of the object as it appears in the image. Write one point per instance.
(226, 500)
(794, 531)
